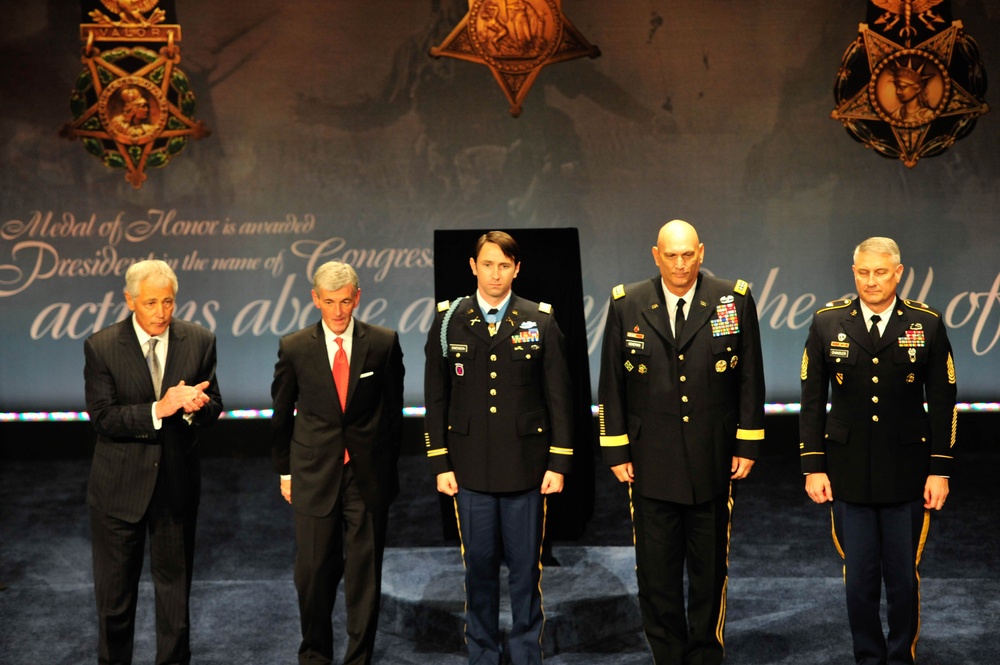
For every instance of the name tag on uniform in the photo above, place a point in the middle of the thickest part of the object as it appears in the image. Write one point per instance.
(634, 344)
(458, 348)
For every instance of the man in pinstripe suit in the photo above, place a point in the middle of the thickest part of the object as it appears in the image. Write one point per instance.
(150, 382)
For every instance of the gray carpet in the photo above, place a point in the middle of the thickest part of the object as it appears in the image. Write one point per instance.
(785, 600)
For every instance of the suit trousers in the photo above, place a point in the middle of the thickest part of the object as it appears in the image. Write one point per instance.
(496, 528)
(118, 550)
(882, 542)
(348, 543)
(669, 535)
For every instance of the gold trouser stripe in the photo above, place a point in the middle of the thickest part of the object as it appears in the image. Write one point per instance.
(461, 541)
(631, 515)
(541, 596)
(465, 590)
(836, 543)
(920, 551)
(720, 627)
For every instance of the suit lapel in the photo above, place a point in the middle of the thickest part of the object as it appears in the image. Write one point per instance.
(699, 313)
(177, 357)
(319, 358)
(359, 352)
(472, 318)
(511, 322)
(135, 362)
(894, 329)
(856, 328)
(656, 315)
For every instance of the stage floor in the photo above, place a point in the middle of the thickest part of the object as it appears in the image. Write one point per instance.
(786, 600)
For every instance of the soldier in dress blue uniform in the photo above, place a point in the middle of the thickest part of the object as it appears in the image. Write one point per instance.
(879, 456)
(498, 436)
(681, 418)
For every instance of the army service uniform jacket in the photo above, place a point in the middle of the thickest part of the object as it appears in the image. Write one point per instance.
(877, 444)
(680, 412)
(498, 408)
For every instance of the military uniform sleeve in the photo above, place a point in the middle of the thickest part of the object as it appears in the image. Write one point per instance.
(815, 381)
(437, 392)
(558, 396)
(941, 392)
(612, 407)
(750, 431)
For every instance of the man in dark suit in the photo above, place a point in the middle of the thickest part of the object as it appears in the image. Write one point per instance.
(499, 438)
(337, 459)
(681, 417)
(879, 456)
(145, 475)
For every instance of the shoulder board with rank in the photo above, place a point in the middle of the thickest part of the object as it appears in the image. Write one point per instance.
(544, 308)
(444, 305)
(618, 292)
(920, 307)
(741, 287)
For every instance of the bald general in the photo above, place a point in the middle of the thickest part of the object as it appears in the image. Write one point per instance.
(678, 254)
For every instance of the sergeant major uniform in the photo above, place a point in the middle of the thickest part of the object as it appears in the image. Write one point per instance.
(498, 416)
(878, 445)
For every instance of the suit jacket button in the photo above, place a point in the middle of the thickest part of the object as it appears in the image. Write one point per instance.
(874, 379)
(875, 419)
(493, 375)
(680, 356)
(493, 392)
(683, 379)
(686, 419)
(493, 409)
(540, 430)
(684, 398)
(493, 357)
(875, 361)
(875, 399)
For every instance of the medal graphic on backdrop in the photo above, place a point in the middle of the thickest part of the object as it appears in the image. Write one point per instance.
(132, 105)
(515, 39)
(913, 84)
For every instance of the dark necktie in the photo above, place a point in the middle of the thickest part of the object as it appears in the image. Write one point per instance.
(154, 366)
(491, 321)
(679, 320)
(341, 375)
(876, 336)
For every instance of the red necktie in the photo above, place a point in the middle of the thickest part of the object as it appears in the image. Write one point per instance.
(341, 374)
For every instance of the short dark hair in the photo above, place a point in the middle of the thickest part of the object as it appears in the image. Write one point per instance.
(506, 243)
